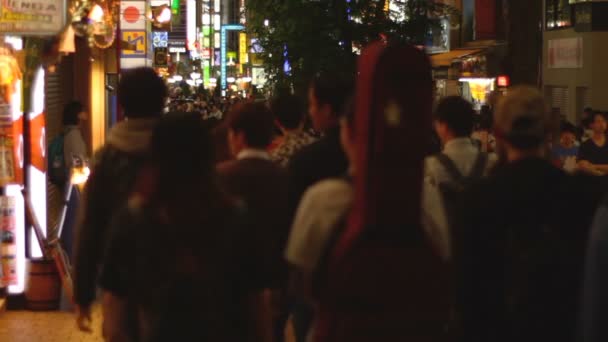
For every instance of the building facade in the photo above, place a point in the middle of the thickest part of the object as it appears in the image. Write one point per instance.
(575, 52)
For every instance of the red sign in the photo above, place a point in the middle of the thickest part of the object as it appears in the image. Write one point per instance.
(206, 53)
(131, 14)
(503, 81)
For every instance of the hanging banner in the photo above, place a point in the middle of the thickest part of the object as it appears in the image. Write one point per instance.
(26, 17)
(8, 244)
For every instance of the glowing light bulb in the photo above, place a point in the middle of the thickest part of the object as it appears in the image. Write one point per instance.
(96, 14)
(164, 16)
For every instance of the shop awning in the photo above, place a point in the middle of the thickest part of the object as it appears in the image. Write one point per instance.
(445, 59)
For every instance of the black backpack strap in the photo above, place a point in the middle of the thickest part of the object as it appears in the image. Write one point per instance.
(480, 166)
(449, 166)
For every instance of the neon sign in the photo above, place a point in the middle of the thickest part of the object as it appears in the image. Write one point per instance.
(223, 41)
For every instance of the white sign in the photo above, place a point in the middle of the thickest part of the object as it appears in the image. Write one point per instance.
(133, 15)
(32, 17)
(177, 49)
(565, 53)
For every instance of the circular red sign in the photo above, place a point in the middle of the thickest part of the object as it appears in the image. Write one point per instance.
(131, 14)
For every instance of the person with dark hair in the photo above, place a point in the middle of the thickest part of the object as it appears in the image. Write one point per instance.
(320, 160)
(289, 115)
(523, 235)
(565, 152)
(594, 308)
(459, 159)
(180, 252)
(75, 153)
(262, 184)
(319, 216)
(73, 142)
(593, 153)
(141, 94)
(325, 158)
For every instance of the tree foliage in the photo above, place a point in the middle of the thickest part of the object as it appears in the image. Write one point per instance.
(317, 36)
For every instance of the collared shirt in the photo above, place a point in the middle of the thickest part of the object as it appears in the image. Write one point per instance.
(322, 208)
(463, 152)
(253, 153)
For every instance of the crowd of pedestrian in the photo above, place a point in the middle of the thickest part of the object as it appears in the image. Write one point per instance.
(348, 226)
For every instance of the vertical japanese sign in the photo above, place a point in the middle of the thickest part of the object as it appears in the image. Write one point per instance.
(243, 52)
(8, 241)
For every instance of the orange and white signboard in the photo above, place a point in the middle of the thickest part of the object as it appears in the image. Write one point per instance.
(133, 15)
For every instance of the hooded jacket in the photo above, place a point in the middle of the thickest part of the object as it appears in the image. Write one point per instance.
(114, 172)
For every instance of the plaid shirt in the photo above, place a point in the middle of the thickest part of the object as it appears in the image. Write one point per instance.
(291, 144)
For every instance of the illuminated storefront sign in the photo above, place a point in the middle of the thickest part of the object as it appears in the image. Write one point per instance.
(243, 53)
(223, 43)
(134, 32)
(39, 17)
(191, 24)
(160, 39)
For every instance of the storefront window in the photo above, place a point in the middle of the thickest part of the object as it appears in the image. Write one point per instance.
(558, 14)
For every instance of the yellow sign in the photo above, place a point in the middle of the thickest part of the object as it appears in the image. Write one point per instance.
(40, 17)
(243, 55)
(479, 90)
(135, 43)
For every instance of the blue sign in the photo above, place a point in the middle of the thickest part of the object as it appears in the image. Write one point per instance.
(223, 42)
(160, 39)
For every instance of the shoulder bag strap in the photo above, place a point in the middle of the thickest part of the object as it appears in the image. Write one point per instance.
(449, 166)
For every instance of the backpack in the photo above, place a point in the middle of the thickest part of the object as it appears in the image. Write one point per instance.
(453, 190)
(452, 194)
(57, 169)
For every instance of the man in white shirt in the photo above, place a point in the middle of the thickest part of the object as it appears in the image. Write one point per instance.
(454, 124)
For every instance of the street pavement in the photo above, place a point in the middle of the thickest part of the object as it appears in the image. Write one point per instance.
(55, 326)
(50, 326)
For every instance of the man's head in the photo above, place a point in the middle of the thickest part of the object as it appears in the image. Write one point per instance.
(567, 136)
(142, 93)
(73, 113)
(588, 112)
(288, 111)
(454, 118)
(250, 125)
(326, 97)
(522, 121)
(598, 123)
